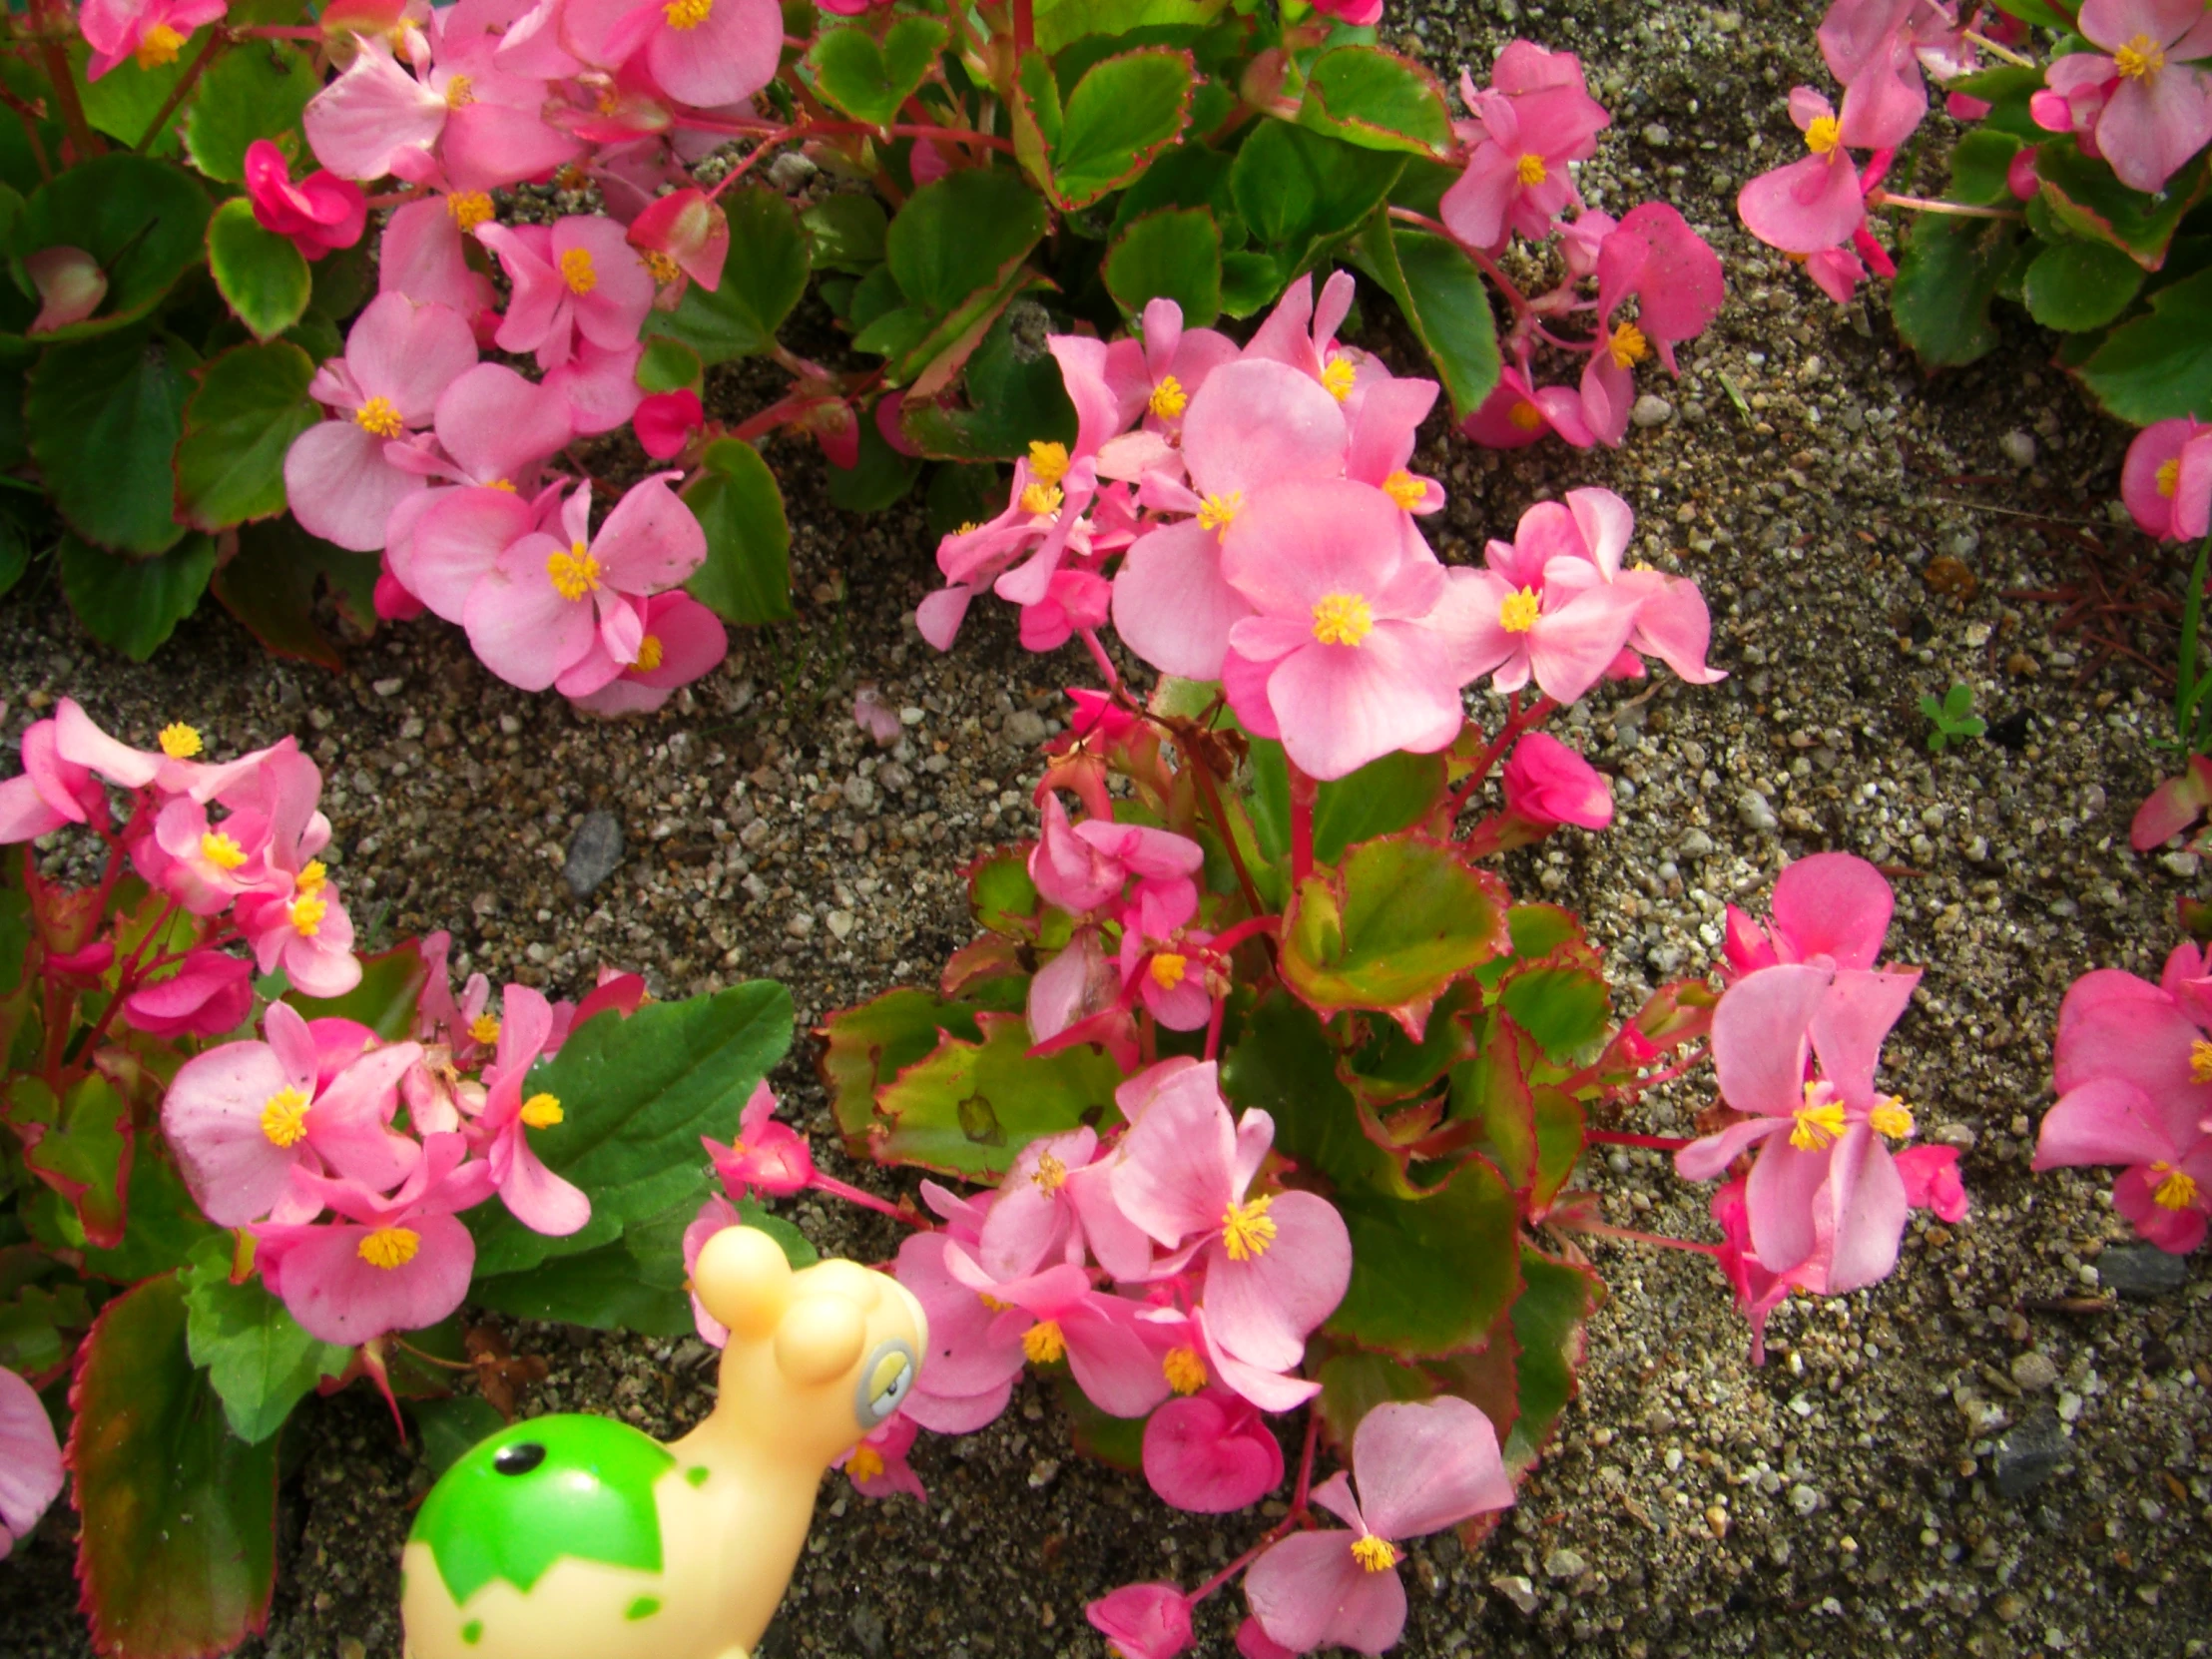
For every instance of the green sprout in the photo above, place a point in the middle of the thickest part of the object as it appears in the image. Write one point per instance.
(1954, 719)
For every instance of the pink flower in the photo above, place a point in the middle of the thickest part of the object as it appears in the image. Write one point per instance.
(1210, 1453)
(1518, 412)
(1872, 47)
(714, 1215)
(684, 642)
(1813, 203)
(208, 995)
(1535, 118)
(1359, 13)
(307, 932)
(766, 1157)
(30, 1460)
(1759, 1289)
(340, 475)
(1830, 910)
(1143, 1621)
(969, 1374)
(577, 276)
(395, 1264)
(1057, 1314)
(244, 1116)
(1549, 784)
(1421, 1469)
(567, 610)
(321, 212)
(1172, 972)
(877, 1467)
(1822, 1168)
(1162, 370)
(600, 383)
(1085, 866)
(422, 253)
(51, 791)
(2174, 806)
(1594, 528)
(1541, 608)
(687, 230)
(1253, 1642)
(665, 421)
(1653, 255)
(1931, 1175)
(1275, 1265)
(70, 286)
(701, 51)
(539, 1199)
(2166, 480)
(487, 125)
(152, 31)
(2157, 99)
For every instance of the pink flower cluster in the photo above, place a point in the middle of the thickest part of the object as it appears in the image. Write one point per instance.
(1250, 516)
(2132, 1066)
(295, 1139)
(2166, 481)
(1796, 1042)
(2143, 100)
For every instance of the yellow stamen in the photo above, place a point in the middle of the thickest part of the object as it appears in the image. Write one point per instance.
(1628, 347)
(650, 653)
(992, 1301)
(865, 1464)
(390, 1247)
(1530, 170)
(1169, 969)
(2176, 1191)
(1184, 1370)
(2139, 57)
(1051, 1174)
(606, 102)
(577, 271)
(312, 878)
(542, 1111)
(179, 742)
(507, 485)
(379, 418)
(1338, 377)
(1518, 612)
(2169, 482)
(1374, 1554)
(306, 914)
(1891, 1117)
(1049, 462)
(687, 14)
(1169, 399)
(1343, 619)
(284, 1117)
(221, 850)
(1823, 133)
(483, 1030)
(1525, 415)
(2200, 1061)
(1044, 1341)
(661, 266)
(1246, 1229)
(157, 46)
(469, 209)
(1218, 512)
(1406, 489)
(459, 90)
(1041, 499)
(1819, 1121)
(574, 573)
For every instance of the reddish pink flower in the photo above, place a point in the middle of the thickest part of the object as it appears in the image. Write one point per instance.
(684, 642)
(766, 1156)
(1089, 866)
(321, 212)
(30, 1460)
(704, 53)
(577, 276)
(877, 1467)
(1654, 256)
(152, 31)
(208, 995)
(2174, 806)
(1518, 412)
(539, 1199)
(1253, 1642)
(1548, 784)
(1931, 1175)
(1358, 13)
(689, 230)
(1421, 1469)
(1143, 1621)
(2166, 480)
(1759, 1289)
(70, 286)
(1209, 1452)
(2147, 98)
(1170, 968)
(665, 421)
(1830, 910)
(1535, 118)
(1816, 202)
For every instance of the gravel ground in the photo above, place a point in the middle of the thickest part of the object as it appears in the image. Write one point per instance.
(2005, 1449)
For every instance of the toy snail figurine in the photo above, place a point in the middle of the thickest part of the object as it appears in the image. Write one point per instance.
(579, 1538)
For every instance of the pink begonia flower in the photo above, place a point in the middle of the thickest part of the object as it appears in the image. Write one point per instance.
(1549, 784)
(767, 1157)
(393, 1264)
(30, 1460)
(1077, 986)
(542, 1201)
(1931, 1175)
(875, 716)
(424, 252)
(1823, 1166)
(151, 31)
(486, 125)
(77, 745)
(1158, 373)
(1386, 413)
(399, 358)
(1074, 601)
(665, 421)
(1143, 1621)
(1595, 527)
(600, 383)
(1541, 608)
(1253, 1642)
(1518, 412)
(1057, 1314)
(2154, 90)
(1275, 1265)
(1211, 1452)
(1759, 1289)
(2166, 480)
(714, 1215)
(1034, 1219)
(1534, 118)
(1301, 333)
(50, 791)
(969, 1374)
(1831, 909)
(1359, 641)
(1169, 969)
(1674, 277)
(307, 932)
(701, 51)
(1085, 866)
(567, 610)
(684, 642)
(364, 123)
(1813, 203)
(577, 275)
(877, 1467)
(206, 864)
(1421, 1469)
(70, 286)
(1359, 14)
(2174, 806)
(209, 996)
(244, 1116)
(689, 230)
(319, 213)
(1870, 46)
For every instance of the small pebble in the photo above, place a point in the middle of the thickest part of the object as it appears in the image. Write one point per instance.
(2018, 449)
(1515, 1589)
(2033, 1372)
(2030, 1454)
(2142, 1270)
(1565, 1565)
(593, 852)
(1651, 410)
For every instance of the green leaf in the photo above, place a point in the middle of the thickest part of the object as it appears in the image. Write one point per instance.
(239, 421)
(256, 90)
(1566, 1007)
(1060, 23)
(1015, 395)
(2041, 13)
(1377, 100)
(269, 583)
(1001, 897)
(1547, 1331)
(1118, 1442)
(2090, 201)
(870, 82)
(866, 1046)
(747, 575)
(1443, 297)
(105, 417)
(1384, 796)
(385, 1000)
(345, 281)
(1390, 931)
(1980, 166)
(1302, 192)
(140, 219)
(1945, 283)
(82, 1150)
(798, 1250)
(969, 1108)
(2158, 365)
(848, 233)
(1124, 112)
(1174, 253)
(636, 1094)
(451, 1427)
(1192, 175)
(762, 277)
(1249, 281)
(960, 235)
(963, 494)
(166, 1224)
(255, 1353)
(669, 365)
(1957, 701)
(123, 103)
(1354, 1384)
(604, 1289)
(134, 603)
(880, 476)
(176, 1555)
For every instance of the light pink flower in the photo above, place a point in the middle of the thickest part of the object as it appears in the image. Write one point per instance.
(1159, 370)
(877, 1467)
(1087, 867)
(539, 1199)
(1595, 526)
(208, 995)
(1535, 118)
(321, 212)
(422, 255)
(2174, 806)
(1421, 1469)
(689, 230)
(969, 1374)
(600, 383)
(70, 286)
(1871, 46)
(2156, 109)
(1210, 1453)
(714, 1215)
(1518, 412)
(152, 31)
(1143, 1621)
(1830, 910)
(1540, 609)
(51, 791)
(1549, 784)
(30, 1460)
(308, 933)
(1816, 202)
(1057, 1314)
(577, 276)
(684, 642)
(701, 51)
(2166, 480)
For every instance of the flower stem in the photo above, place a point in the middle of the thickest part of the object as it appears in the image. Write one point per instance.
(1203, 775)
(1517, 721)
(1302, 793)
(1514, 295)
(865, 1200)
(1213, 1029)
(1998, 51)
(1630, 1234)
(1105, 663)
(217, 45)
(1878, 198)
(1653, 1143)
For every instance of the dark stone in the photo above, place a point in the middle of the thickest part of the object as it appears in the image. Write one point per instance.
(867, 1629)
(2010, 731)
(2030, 1454)
(2142, 1270)
(593, 852)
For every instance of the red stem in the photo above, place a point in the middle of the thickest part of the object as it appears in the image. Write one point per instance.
(1213, 1029)
(1302, 791)
(1514, 295)
(1025, 26)
(1605, 1229)
(868, 1201)
(1517, 721)
(1105, 663)
(1203, 774)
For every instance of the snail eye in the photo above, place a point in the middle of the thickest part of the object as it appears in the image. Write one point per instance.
(519, 1459)
(886, 1380)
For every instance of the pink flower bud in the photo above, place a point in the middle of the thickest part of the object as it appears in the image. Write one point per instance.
(1549, 783)
(2020, 176)
(70, 285)
(209, 996)
(666, 420)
